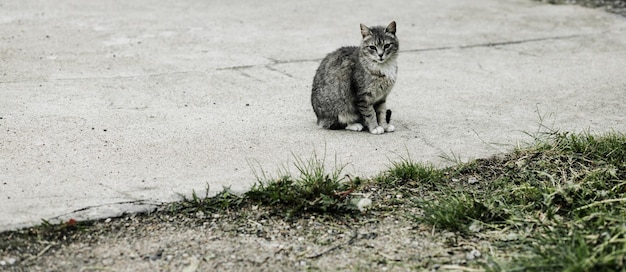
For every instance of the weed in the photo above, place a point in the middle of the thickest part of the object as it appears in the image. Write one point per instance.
(408, 170)
(576, 249)
(220, 202)
(313, 190)
(457, 210)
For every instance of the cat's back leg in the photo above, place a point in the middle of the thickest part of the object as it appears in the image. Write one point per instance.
(335, 124)
(324, 111)
(350, 121)
(354, 127)
(331, 95)
(345, 120)
(330, 123)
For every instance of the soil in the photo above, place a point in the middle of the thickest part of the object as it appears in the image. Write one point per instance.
(386, 238)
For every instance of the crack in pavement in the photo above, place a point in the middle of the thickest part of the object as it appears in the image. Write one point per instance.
(46, 80)
(494, 44)
(488, 44)
(132, 202)
(274, 62)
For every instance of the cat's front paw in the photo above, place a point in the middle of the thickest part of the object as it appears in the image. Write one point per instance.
(354, 127)
(390, 128)
(377, 130)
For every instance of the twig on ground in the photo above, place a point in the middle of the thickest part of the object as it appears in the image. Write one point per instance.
(350, 241)
(32, 258)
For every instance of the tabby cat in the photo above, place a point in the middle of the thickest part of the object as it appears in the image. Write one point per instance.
(351, 85)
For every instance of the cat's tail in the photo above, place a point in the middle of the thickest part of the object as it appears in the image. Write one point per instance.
(388, 116)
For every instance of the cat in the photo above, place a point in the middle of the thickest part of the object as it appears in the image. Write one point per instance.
(351, 85)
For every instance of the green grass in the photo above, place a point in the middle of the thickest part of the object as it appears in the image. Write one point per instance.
(222, 201)
(408, 170)
(566, 194)
(313, 189)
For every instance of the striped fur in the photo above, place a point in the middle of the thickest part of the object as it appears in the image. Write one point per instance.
(351, 85)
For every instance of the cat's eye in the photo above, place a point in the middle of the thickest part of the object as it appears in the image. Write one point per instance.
(387, 45)
(372, 47)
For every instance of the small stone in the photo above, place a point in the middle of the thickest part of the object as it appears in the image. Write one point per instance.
(472, 180)
(472, 254)
(509, 237)
(475, 227)
(364, 204)
(193, 265)
(7, 261)
(200, 215)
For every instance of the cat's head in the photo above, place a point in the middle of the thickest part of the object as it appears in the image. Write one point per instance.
(379, 43)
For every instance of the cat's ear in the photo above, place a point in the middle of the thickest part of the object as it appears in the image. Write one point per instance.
(391, 28)
(365, 31)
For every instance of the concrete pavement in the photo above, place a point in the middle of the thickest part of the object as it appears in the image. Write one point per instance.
(111, 106)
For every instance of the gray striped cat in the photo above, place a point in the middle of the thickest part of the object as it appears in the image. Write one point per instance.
(351, 85)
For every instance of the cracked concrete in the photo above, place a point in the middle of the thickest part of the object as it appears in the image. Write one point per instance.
(113, 106)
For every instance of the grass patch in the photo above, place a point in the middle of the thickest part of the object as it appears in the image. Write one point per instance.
(314, 189)
(566, 195)
(407, 170)
(457, 211)
(222, 201)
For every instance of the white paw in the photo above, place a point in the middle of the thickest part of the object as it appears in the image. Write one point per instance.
(377, 130)
(390, 128)
(354, 127)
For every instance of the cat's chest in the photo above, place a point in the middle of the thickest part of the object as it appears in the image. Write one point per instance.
(389, 72)
(382, 81)
(383, 74)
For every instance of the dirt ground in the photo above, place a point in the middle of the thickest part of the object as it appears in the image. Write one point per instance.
(385, 238)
